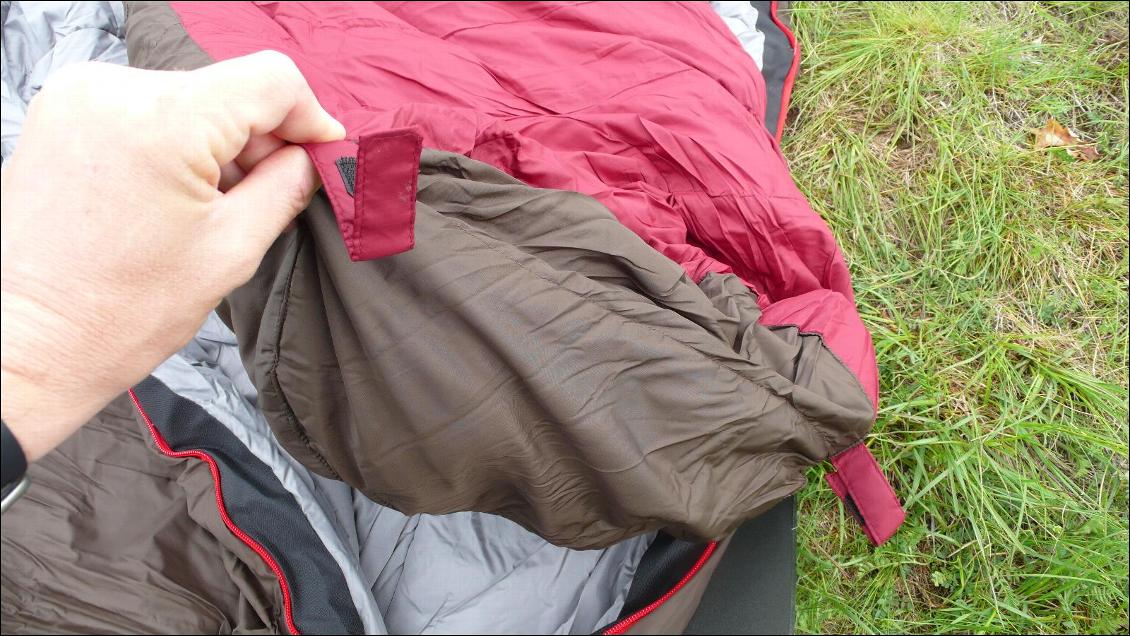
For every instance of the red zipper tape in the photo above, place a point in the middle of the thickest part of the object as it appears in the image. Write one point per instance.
(787, 88)
(163, 446)
(624, 625)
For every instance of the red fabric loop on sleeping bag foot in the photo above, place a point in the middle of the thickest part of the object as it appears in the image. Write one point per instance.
(861, 484)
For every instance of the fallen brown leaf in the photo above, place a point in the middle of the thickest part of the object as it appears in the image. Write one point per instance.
(1084, 152)
(1056, 135)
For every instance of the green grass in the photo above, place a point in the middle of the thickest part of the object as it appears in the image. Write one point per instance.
(993, 278)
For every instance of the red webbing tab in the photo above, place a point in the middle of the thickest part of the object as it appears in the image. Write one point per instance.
(376, 207)
(860, 483)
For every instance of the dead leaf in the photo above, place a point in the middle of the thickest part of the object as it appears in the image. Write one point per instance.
(1055, 135)
(1084, 152)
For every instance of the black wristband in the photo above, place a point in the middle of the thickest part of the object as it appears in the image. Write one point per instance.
(13, 462)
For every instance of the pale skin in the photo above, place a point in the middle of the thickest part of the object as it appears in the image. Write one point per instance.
(133, 203)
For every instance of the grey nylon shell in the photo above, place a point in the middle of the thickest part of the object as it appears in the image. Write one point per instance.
(38, 39)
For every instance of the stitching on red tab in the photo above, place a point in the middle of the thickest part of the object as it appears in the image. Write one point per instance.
(360, 203)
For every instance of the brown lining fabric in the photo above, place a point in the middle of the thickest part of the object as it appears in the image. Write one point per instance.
(113, 537)
(533, 358)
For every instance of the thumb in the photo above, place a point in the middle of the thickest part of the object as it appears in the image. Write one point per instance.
(261, 206)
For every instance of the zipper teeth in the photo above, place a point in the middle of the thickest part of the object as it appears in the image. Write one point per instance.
(623, 625)
(165, 449)
(254, 545)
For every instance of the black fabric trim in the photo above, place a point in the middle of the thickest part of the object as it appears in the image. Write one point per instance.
(347, 168)
(665, 563)
(777, 61)
(260, 506)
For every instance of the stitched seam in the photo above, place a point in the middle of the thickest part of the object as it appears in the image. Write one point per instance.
(288, 411)
(824, 344)
(648, 151)
(419, 149)
(361, 202)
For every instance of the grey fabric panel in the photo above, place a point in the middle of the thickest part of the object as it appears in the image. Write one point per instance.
(740, 16)
(339, 499)
(214, 346)
(468, 572)
(42, 37)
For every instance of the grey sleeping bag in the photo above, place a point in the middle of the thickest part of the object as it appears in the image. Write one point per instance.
(39, 38)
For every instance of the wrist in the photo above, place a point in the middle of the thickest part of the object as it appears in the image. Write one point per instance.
(43, 400)
(18, 412)
(13, 474)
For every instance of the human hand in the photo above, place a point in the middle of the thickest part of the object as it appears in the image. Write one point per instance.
(134, 202)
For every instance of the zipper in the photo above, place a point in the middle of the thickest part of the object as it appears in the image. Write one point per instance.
(165, 449)
(624, 624)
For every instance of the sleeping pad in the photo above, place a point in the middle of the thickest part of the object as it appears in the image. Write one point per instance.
(558, 294)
